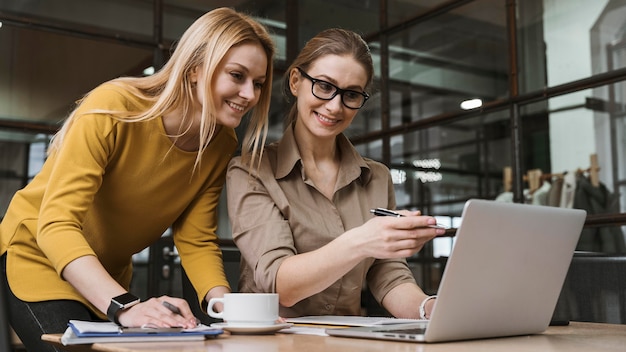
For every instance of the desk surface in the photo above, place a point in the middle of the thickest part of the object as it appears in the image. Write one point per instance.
(575, 337)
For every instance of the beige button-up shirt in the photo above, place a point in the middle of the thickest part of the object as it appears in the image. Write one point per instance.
(277, 212)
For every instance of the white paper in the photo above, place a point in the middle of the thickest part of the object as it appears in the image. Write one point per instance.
(350, 320)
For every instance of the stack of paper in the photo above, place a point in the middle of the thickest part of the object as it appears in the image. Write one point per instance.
(85, 332)
(349, 320)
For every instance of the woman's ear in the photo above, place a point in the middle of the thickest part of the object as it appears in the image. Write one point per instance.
(193, 75)
(294, 80)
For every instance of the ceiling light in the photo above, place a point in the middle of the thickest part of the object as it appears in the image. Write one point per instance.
(471, 104)
(148, 71)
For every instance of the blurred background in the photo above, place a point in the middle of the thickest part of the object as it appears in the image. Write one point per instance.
(495, 99)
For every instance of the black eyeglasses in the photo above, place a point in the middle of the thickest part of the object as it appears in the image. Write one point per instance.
(327, 91)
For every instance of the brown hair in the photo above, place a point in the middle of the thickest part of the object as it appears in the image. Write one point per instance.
(333, 41)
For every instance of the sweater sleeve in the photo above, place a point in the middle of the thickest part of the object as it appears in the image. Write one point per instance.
(75, 176)
(197, 242)
(195, 231)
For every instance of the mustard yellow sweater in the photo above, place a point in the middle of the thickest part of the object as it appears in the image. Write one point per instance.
(111, 191)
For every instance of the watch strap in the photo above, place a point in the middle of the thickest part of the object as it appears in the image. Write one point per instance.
(112, 311)
(119, 303)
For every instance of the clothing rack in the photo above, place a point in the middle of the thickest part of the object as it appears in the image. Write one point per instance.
(535, 177)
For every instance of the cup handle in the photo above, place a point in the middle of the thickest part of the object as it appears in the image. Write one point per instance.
(210, 310)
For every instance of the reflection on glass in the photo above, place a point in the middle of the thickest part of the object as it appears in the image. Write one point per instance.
(438, 168)
(439, 63)
(134, 17)
(48, 72)
(563, 41)
(402, 10)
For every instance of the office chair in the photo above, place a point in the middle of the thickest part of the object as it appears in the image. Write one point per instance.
(595, 288)
(5, 336)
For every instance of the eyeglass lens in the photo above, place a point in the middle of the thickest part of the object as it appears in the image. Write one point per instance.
(327, 91)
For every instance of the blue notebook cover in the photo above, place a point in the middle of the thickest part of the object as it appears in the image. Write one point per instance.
(85, 332)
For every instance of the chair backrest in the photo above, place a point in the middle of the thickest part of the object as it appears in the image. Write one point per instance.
(595, 289)
(5, 337)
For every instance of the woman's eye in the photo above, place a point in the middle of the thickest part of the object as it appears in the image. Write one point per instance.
(352, 95)
(325, 86)
(236, 75)
(259, 85)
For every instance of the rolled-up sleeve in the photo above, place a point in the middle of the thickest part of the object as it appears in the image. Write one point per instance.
(260, 231)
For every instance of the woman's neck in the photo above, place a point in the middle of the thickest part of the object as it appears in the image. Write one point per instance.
(314, 149)
(185, 134)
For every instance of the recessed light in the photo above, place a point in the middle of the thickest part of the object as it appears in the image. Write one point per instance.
(471, 104)
(149, 71)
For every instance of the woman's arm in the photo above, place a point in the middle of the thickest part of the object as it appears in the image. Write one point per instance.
(91, 280)
(404, 300)
(303, 275)
(267, 243)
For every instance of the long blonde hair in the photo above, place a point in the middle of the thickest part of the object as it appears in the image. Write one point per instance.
(203, 45)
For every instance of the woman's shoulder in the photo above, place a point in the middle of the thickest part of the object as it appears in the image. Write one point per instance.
(375, 166)
(374, 163)
(113, 96)
(262, 167)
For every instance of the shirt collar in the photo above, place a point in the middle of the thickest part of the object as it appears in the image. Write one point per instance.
(353, 165)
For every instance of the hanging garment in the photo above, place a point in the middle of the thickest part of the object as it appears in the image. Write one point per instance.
(554, 196)
(568, 190)
(598, 200)
(540, 196)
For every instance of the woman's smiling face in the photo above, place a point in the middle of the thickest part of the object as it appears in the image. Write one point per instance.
(237, 83)
(327, 118)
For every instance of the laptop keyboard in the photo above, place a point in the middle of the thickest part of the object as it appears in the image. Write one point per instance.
(407, 333)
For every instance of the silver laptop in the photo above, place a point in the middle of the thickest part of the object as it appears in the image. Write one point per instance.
(503, 277)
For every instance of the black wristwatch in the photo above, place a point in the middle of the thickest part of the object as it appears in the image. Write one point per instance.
(119, 303)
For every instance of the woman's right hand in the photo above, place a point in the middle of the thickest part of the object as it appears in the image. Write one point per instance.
(385, 237)
(153, 313)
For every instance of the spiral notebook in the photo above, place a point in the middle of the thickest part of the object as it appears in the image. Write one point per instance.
(503, 277)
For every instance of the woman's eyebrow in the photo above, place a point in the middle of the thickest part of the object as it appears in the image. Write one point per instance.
(333, 81)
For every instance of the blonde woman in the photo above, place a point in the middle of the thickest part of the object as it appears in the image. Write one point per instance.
(137, 156)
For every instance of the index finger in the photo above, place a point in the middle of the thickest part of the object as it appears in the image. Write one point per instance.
(409, 212)
(179, 307)
(413, 222)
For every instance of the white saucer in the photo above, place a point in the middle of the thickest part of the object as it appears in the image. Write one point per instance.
(251, 329)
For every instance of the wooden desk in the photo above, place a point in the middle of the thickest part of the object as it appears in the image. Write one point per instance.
(575, 337)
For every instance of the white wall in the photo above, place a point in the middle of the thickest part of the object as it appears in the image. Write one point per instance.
(567, 25)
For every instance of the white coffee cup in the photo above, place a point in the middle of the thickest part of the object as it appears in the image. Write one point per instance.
(246, 309)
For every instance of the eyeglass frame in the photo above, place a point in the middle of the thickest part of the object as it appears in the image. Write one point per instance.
(338, 91)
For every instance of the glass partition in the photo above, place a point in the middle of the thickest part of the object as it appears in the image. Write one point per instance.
(132, 17)
(42, 73)
(445, 60)
(563, 41)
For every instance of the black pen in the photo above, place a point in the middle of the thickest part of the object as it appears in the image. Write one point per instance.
(175, 310)
(172, 307)
(387, 212)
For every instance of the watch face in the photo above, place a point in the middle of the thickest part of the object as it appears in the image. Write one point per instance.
(126, 299)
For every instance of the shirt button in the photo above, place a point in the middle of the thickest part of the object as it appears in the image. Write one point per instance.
(328, 306)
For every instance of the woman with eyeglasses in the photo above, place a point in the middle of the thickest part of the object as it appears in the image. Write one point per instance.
(302, 218)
